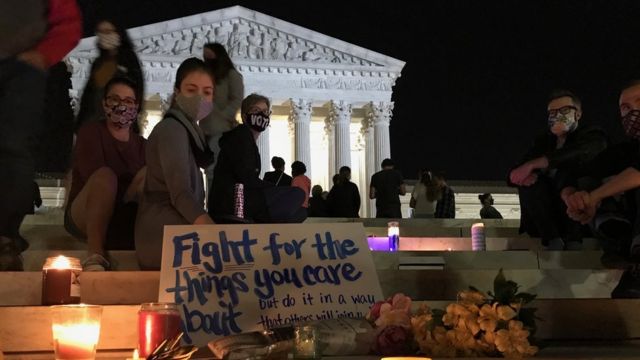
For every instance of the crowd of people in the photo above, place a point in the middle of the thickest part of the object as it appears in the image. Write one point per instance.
(124, 188)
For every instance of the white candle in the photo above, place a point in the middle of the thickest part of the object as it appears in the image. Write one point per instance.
(76, 341)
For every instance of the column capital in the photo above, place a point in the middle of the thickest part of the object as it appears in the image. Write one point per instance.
(340, 111)
(300, 110)
(379, 112)
(165, 101)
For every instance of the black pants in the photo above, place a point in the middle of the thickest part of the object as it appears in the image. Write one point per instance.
(543, 213)
(389, 212)
(22, 91)
(617, 221)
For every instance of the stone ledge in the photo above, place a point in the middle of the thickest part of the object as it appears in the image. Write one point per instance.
(25, 329)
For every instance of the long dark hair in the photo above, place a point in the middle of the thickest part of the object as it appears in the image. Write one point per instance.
(223, 61)
(434, 191)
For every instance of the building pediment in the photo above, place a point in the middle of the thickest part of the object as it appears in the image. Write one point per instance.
(252, 38)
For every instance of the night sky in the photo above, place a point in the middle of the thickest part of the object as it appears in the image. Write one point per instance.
(473, 93)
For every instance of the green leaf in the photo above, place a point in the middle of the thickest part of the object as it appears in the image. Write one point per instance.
(528, 318)
(499, 282)
(525, 298)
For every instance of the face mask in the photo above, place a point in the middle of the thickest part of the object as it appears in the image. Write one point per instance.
(631, 124)
(121, 115)
(196, 107)
(563, 123)
(109, 41)
(258, 122)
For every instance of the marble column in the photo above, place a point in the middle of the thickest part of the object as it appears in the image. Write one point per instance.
(366, 130)
(331, 146)
(380, 113)
(263, 149)
(300, 118)
(340, 113)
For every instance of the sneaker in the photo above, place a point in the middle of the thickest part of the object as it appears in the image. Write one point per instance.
(10, 258)
(629, 285)
(96, 262)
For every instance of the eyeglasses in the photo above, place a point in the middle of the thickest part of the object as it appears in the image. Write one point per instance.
(563, 110)
(114, 100)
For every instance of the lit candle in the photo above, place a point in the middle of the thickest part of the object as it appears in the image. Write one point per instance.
(76, 330)
(135, 355)
(478, 241)
(76, 341)
(60, 284)
(393, 232)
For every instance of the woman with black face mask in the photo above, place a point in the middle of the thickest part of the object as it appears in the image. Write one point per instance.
(116, 58)
(239, 164)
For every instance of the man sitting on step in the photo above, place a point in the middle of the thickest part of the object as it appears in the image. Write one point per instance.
(541, 174)
(621, 163)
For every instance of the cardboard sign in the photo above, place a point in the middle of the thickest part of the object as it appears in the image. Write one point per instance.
(228, 279)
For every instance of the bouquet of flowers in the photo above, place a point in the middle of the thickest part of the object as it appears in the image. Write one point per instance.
(477, 325)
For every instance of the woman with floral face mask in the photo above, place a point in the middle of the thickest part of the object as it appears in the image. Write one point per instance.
(174, 190)
(116, 58)
(108, 173)
(239, 163)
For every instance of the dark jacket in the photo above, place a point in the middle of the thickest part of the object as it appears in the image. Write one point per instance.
(317, 207)
(278, 178)
(238, 162)
(581, 146)
(344, 200)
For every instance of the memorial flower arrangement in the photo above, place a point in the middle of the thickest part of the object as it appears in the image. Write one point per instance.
(476, 325)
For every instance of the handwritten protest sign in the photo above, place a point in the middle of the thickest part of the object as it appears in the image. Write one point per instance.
(228, 279)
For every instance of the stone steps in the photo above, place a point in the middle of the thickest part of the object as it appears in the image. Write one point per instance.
(134, 287)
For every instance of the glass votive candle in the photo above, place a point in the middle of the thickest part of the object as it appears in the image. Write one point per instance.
(76, 330)
(478, 240)
(393, 231)
(156, 322)
(306, 344)
(60, 280)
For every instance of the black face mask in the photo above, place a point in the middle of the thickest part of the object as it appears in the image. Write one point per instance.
(631, 124)
(258, 121)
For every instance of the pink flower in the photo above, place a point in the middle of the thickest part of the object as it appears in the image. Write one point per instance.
(374, 312)
(399, 302)
(397, 312)
(392, 340)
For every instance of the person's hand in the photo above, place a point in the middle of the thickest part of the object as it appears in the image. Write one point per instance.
(203, 219)
(519, 174)
(33, 58)
(581, 206)
(530, 180)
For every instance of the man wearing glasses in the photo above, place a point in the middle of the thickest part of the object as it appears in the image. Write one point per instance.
(544, 170)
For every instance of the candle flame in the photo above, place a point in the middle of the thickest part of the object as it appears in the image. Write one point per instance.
(136, 355)
(61, 262)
